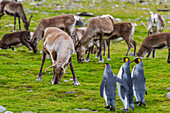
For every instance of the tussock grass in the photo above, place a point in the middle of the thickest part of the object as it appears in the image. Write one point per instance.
(20, 92)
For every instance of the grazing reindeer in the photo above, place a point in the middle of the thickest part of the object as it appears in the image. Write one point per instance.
(156, 24)
(155, 41)
(77, 35)
(59, 46)
(15, 39)
(15, 9)
(97, 28)
(64, 22)
(126, 31)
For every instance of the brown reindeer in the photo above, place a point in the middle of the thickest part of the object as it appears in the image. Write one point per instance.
(155, 41)
(123, 30)
(126, 31)
(64, 22)
(59, 46)
(97, 28)
(156, 24)
(15, 9)
(16, 39)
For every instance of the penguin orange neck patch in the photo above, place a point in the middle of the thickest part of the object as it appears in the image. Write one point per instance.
(126, 60)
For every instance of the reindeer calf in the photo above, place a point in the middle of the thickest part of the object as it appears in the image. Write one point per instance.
(16, 39)
(155, 41)
(59, 46)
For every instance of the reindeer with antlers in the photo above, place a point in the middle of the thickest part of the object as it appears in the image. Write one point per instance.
(59, 45)
(15, 9)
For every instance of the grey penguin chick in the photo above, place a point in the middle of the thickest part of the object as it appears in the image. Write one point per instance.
(125, 95)
(108, 87)
(139, 82)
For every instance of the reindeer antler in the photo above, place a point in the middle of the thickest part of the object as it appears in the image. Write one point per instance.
(49, 67)
(30, 18)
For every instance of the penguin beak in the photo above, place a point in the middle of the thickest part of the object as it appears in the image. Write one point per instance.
(132, 62)
(121, 59)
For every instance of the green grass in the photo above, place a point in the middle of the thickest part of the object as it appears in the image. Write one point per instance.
(20, 92)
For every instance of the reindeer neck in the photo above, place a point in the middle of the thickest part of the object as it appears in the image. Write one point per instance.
(23, 17)
(85, 40)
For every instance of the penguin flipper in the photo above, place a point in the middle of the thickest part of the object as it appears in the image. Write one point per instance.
(145, 92)
(122, 92)
(102, 87)
(123, 83)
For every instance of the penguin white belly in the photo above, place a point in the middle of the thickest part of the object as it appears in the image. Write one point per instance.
(119, 87)
(104, 95)
(134, 92)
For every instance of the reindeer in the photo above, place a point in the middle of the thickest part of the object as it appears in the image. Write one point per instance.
(154, 41)
(123, 30)
(64, 22)
(77, 35)
(156, 24)
(59, 46)
(16, 39)
(15, 9)
(96, 29)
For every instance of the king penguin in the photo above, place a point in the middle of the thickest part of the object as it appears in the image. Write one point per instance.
(125, 95)
(107, 87)
(139, 82)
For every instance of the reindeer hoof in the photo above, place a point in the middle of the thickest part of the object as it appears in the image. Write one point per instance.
(96, 57)
(168, 61)
(101, 60)
(38, 79)
(87, 60)
(77, 84)
(108, 59)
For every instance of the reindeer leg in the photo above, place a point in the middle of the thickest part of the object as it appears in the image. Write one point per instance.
(14, 23)
(1, 15)
(169, 55)
(149, 53)
(75, 81)
(154, 53)
(100, 50)
(108, 44)
(134, 45)
(92, 49)
(104, 54)
(39, 76)
(19, 22)
(88, 59)
(129, 45)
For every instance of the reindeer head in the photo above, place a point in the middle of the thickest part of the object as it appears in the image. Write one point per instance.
(34, 42)
(58, 72)
(27, 24)
(142, 51)
(80, 52)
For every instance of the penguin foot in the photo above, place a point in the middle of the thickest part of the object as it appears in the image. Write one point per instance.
(126, 110)
(112, 109)
(132, 108)
(139, 104)
(136, 102)
(107, 107)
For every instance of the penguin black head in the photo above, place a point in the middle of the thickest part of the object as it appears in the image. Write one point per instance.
(137, 60)
(126, 59)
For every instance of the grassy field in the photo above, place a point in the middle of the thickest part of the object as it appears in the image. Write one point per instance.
(19, 90)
